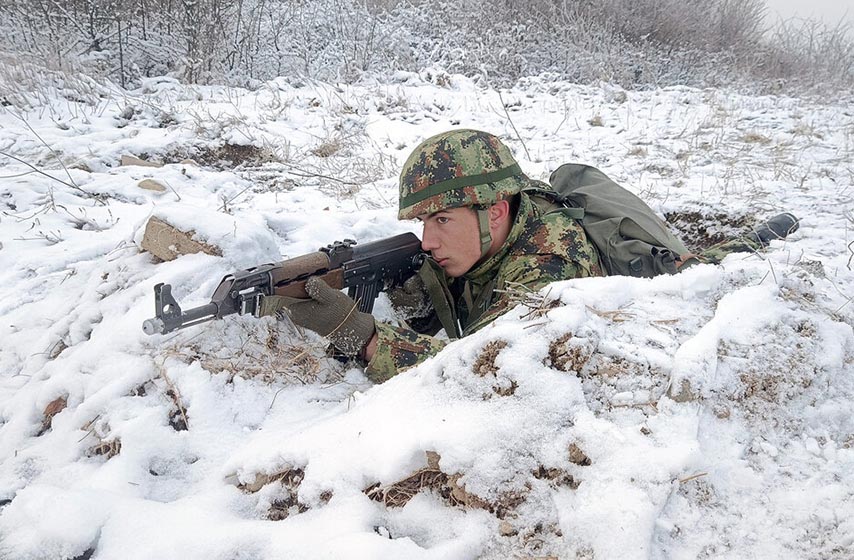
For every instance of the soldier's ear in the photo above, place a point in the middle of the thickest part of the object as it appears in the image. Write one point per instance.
(499, 213)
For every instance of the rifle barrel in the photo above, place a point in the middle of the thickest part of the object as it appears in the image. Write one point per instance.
(188, 318)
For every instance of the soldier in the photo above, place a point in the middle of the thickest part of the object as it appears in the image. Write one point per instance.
(484, 235)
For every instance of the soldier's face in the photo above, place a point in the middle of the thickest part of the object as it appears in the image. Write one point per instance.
(452, 238)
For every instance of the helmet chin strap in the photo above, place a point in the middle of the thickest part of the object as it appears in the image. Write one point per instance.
(483, 226)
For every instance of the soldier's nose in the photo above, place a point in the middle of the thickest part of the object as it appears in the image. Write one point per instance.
(428, 241)
(427, 247)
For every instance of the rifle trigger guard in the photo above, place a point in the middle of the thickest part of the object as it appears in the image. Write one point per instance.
(251, 303)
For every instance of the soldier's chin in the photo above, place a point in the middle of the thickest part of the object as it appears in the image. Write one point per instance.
(453, 271)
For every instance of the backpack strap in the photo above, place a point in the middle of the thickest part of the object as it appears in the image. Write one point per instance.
(437, 288)
(476, 307)
(571, 212)
(549, 200)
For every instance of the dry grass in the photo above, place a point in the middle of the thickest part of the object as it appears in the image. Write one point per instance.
(287, 503)
(538, 304)
(615, 316)
(108, 448)
(399, 493)
(178, 415)
(564, 355)
(290, 477)
(577, 456)
(596, 120)
(327, 148)
(264, 353)
(448, 487)
(658, 169)
(485, 363)
(224, 157)
(57, 348)
(807, 130)
(24, 85)
(557, 478)
(755, 138)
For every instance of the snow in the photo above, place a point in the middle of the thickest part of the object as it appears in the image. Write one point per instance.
(712, 407)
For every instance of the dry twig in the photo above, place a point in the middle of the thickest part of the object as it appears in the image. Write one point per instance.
(57, 179)
(538, 304)
(175, 395)
(692, 477)
(506, 112)
(616, 316)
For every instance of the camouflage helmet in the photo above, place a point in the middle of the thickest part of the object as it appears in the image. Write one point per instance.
(457, 168)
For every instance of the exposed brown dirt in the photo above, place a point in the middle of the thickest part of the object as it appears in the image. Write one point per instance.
(700, 231)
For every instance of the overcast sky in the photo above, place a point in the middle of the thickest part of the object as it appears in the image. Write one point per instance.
(831, 11)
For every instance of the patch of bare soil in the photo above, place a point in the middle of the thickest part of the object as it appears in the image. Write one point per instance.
(609, 382)
(771, 374)
(700, 231)
(224, 157)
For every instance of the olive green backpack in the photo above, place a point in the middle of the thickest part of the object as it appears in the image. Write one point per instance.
(630, 238)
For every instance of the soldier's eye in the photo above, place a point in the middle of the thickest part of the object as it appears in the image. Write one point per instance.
(442, 220)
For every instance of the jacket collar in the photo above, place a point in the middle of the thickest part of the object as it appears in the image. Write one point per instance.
(485, 270)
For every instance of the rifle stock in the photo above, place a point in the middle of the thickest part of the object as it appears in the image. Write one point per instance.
(365, 270)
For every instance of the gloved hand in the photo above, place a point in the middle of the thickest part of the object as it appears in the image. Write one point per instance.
(411, 299)
(328, 312)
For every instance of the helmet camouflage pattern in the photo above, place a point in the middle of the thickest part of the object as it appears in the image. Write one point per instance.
(457, 168)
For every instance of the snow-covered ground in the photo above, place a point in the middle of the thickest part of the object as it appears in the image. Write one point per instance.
(702, 415)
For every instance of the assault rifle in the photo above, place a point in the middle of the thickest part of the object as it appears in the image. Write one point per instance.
(365, 270)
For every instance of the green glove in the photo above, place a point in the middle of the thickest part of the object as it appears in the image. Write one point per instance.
(328, 312)
(411, 299)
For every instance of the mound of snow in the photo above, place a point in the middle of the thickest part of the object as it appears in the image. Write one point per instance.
(705, 414)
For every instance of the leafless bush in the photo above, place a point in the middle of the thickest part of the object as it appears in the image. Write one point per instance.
(634, 43)
(699, 24)
(25, 84)
(808, 52)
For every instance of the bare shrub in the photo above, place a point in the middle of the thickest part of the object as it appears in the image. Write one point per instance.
(802, 53)
(633, 43)
(25, 84)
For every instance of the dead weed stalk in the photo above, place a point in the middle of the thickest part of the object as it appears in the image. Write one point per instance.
(175, 395)
(538, 304)
(615, 316)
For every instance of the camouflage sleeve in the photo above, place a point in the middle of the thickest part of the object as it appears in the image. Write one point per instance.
(398, 349)
(531, 272)
(716, 253)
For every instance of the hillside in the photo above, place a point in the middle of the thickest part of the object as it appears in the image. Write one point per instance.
(701, 415)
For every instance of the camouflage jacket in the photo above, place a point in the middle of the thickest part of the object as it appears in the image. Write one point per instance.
(540, 249)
